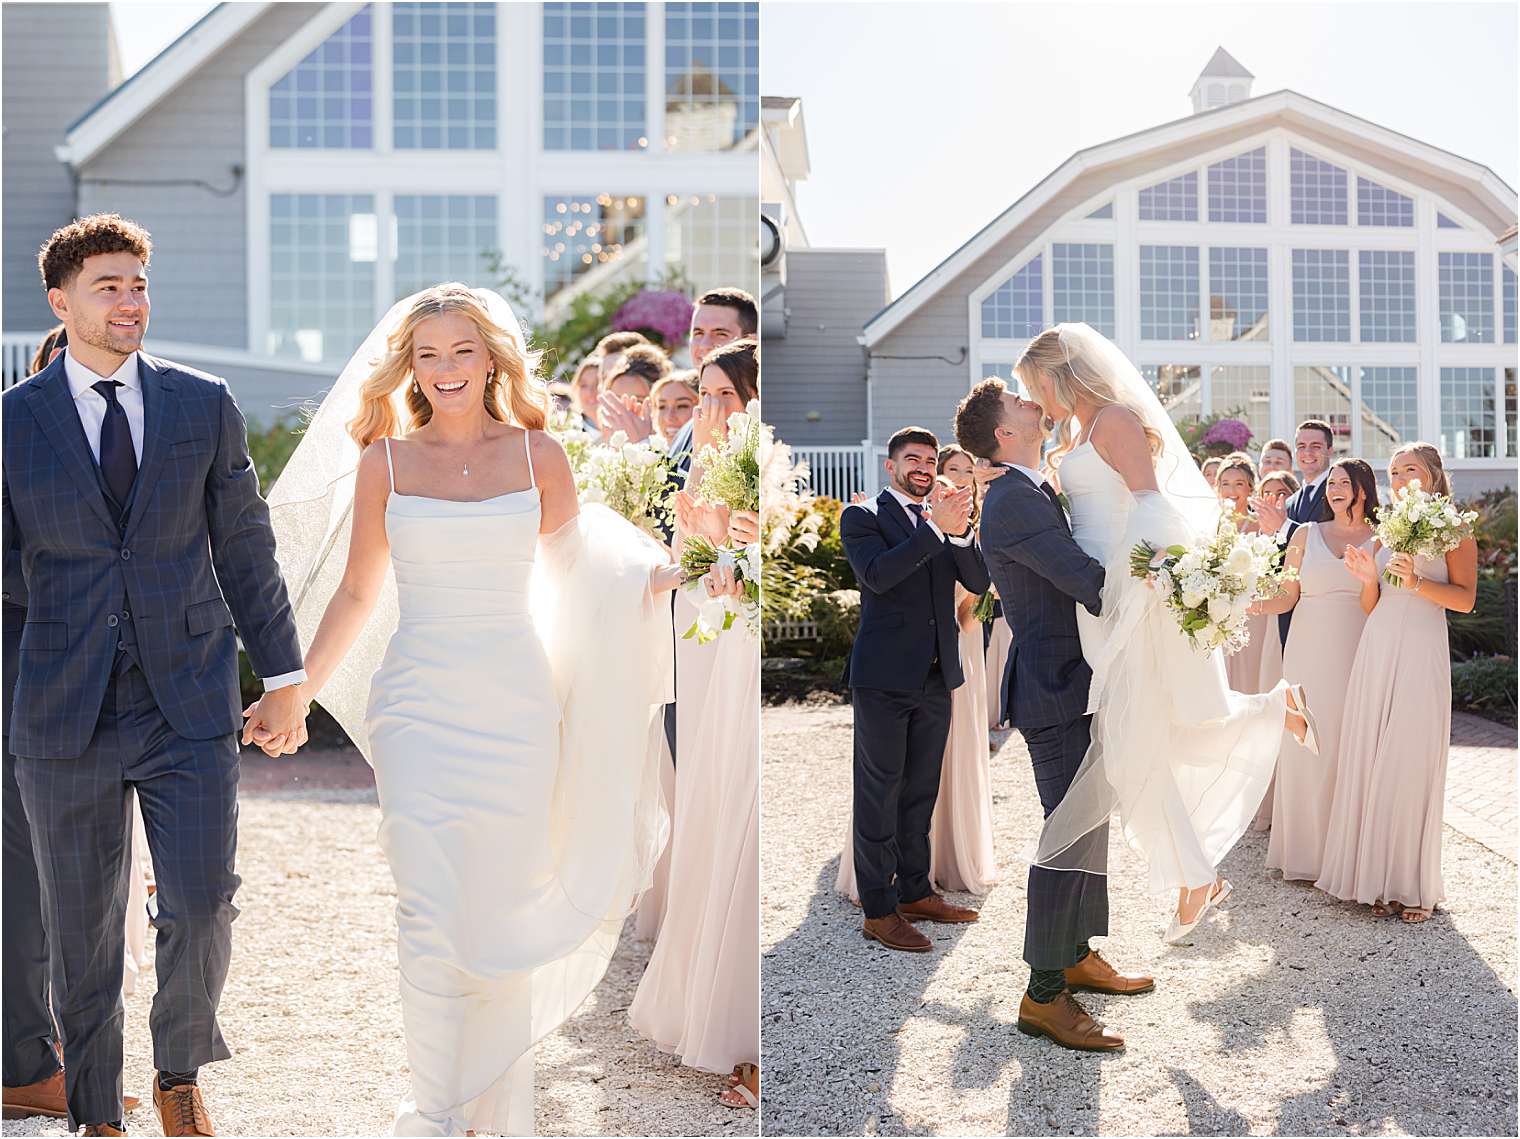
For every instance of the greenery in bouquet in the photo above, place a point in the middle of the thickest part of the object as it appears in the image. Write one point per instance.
(731, 470)
(718, 614)
(1423, 525)
(985, 607)
(1210, 585)
(634, 479)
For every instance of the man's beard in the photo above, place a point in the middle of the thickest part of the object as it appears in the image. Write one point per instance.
(105, 338)
(902, 484)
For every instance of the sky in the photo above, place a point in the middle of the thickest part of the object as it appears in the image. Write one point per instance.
(145, 29)
(926, 122)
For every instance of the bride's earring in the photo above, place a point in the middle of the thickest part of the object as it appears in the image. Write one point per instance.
(1048, 423)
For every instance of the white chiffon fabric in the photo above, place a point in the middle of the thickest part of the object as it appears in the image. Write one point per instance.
(507, 690)
(1182, 759)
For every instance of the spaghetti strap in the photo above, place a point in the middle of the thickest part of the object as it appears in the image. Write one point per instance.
(390, 465)
(1088, 429)
(528, 451)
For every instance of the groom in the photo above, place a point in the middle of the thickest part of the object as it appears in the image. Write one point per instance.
(133, 512)
(1042, 575)
(908, 548)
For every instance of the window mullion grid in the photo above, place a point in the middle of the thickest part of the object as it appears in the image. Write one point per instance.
(654, 82)
(385, 254)
(382, 81)
(1205, 307)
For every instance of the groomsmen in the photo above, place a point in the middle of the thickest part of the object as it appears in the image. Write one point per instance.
(1314, 446)
(908, 548)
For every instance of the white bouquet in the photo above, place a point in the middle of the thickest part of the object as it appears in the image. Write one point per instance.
(731, 471)
(1423, 525)
(633, 479)
(1210, 585)
(718, 614)
(570, 429)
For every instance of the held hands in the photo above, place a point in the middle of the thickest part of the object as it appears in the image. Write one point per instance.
(625, 413)
(1362, 565)
(277, 721)
(1269, 515)
(951, 509)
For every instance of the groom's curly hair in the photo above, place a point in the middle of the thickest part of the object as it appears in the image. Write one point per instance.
(63, 255)
(979, 416)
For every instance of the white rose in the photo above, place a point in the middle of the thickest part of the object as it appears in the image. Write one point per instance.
(1240, 560)
(1219, 608)
(1191, 598)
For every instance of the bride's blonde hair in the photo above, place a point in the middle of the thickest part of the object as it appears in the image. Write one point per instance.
(1072, 377)
(513, 394)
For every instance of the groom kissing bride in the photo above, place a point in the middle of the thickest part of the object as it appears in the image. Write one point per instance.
(1119, 714)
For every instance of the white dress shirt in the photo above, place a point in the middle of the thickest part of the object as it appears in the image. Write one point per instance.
(91, 406)
(1308, 491)
(904, 501)
(1031, 474)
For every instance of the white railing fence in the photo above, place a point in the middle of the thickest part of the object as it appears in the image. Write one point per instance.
(791, 631)
(16, 350)
(840, 472)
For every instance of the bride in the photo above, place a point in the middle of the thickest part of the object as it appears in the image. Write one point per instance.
(512, 722)
(1182, 758)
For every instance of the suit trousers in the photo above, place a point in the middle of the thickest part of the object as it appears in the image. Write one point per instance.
(81, 814)
(899, 748)
(1065, 907)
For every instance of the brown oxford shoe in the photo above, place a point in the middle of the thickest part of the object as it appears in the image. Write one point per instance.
(1094, 975)
(46, 1097)
(1065, 1022)
(935, 908)
(895, 933)
(103, 1129)
(181, 1110)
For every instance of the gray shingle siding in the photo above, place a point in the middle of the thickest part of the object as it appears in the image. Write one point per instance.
(200, 264)
(819, 367)
(57, 63)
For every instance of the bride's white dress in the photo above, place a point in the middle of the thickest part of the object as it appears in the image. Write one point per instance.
(512, 871)
(1183, 759)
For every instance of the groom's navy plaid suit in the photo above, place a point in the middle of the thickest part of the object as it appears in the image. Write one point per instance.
(127, 681)
(1041, 574)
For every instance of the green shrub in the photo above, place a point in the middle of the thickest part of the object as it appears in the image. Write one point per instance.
(1484, 631)
(271, 447)
(837, 613)
(1485, 685)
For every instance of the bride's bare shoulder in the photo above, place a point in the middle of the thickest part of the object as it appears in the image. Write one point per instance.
(1117, 428)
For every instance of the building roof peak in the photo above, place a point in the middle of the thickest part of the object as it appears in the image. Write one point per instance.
(1223, 65)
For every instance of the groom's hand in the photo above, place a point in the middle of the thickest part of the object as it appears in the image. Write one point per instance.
(277, 723)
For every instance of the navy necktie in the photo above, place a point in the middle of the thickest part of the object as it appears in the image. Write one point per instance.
(1050, 493)
(917, 509)
(118, 461)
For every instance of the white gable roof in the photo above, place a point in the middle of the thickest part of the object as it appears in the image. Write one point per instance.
(107, 119)
(1480, 179)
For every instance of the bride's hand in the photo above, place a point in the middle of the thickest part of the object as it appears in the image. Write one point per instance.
(662, 579)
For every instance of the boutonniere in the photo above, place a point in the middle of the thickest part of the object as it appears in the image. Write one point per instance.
(1064, 501)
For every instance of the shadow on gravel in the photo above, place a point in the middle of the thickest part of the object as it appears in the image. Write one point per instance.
(1422, 1029)
(865, 994)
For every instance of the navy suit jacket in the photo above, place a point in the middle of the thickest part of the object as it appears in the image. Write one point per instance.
(1301, 507)
(193, 554)
(1041, 575)
(907, 575)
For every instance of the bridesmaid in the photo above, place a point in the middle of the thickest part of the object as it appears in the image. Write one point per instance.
(700, 995)
(1327, 624)
(1235, 484)
(1385, 822)
(1276, 487)
(960, 833)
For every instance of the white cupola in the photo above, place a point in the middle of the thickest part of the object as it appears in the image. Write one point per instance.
(1223, 82)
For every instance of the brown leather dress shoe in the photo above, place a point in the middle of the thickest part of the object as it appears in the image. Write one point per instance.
(181, 1110)
(935, 908)
(102, 1129)
(1063, 1021)
(1095, 975)
(45, 1097)
(895, 933)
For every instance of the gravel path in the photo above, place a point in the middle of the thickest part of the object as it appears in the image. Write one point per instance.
(312, 1015)
(1294, 1013)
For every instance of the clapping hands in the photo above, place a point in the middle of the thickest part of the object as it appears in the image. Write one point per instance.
(950, 509)
(1270, 514)
(624, 413)
(1361, 564)
(695, 517)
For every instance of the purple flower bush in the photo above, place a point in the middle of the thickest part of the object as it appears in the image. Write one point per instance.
(1231, 434)
(663, 315)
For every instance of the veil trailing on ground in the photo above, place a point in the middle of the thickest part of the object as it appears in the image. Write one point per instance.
(608, 643)
(1173, 751)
